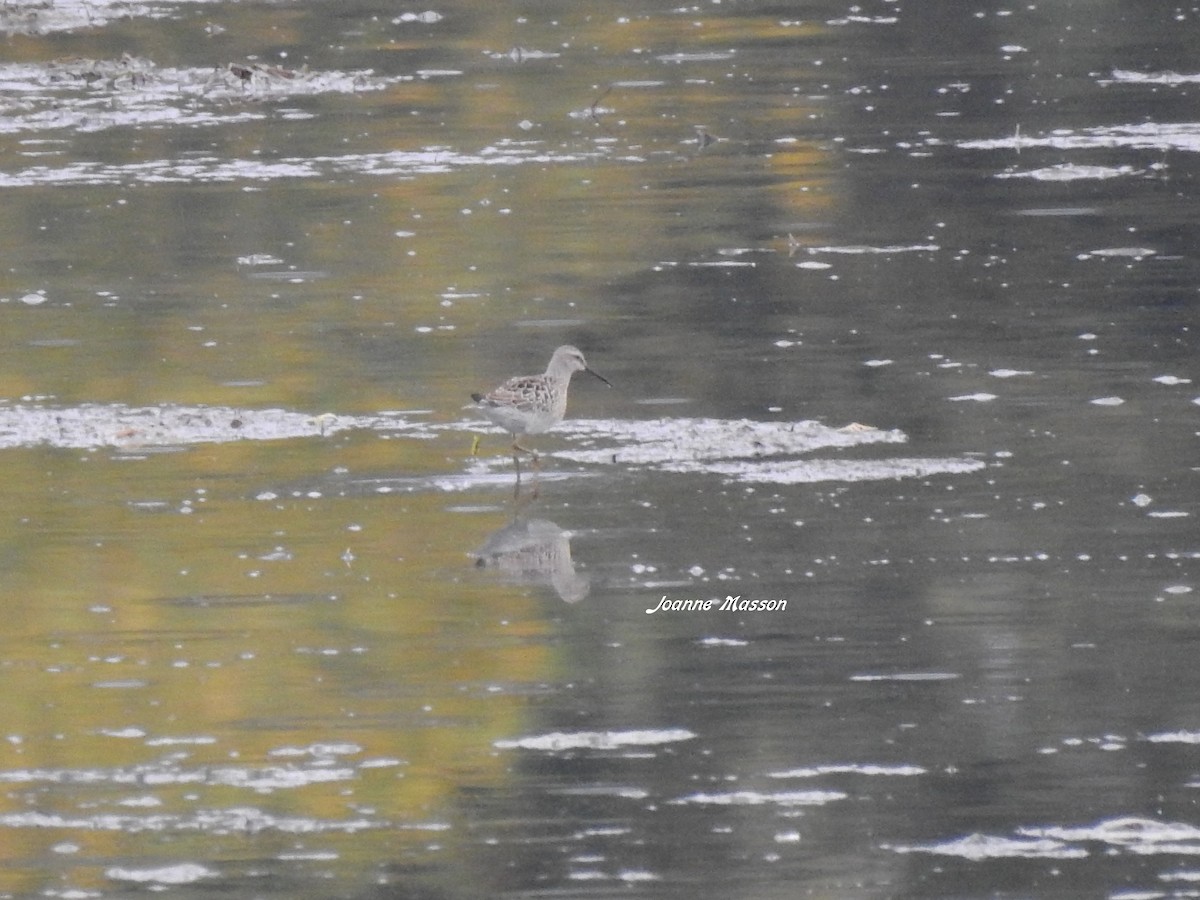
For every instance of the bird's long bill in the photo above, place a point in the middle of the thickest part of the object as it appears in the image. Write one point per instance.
(598, 375)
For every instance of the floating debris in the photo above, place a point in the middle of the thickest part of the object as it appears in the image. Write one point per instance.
(686, 440)
(80, 94)
(116, 425)
(1072, 172)
(735, 449)
(750, 451)
(596, 740)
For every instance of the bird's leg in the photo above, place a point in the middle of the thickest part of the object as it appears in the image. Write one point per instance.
(524, 499)
(517, 448)
(475, 445)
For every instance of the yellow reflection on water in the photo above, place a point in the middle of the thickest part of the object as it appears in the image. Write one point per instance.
(254, 638)
(221, 628)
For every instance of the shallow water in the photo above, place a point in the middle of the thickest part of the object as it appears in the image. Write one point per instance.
(873, 576)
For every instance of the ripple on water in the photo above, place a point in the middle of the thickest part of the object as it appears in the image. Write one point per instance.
(760, 798)
(1120, 836)
(1071, 172)
(236, 820)
(849, 769)
(977, 847)
(212, 170)
(1141, 136)
(221, 601)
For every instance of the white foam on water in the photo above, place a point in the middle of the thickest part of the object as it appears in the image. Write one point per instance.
(596, 740)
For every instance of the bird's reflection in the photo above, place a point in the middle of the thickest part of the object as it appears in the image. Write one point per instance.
(534, 551)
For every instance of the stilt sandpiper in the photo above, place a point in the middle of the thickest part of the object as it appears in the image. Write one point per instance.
(531, 404)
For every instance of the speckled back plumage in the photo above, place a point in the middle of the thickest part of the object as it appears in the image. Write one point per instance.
(531, 404)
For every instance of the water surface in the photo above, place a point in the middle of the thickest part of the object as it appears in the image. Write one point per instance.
(873, 576)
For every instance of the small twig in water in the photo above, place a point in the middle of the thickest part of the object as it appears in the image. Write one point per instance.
(593, 110)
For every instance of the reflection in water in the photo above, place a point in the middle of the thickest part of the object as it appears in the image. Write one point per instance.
(534, 551)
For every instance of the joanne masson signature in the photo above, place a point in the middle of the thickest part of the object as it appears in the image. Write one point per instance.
(729, 604)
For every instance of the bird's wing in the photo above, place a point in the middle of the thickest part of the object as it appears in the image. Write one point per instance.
(516, 393)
